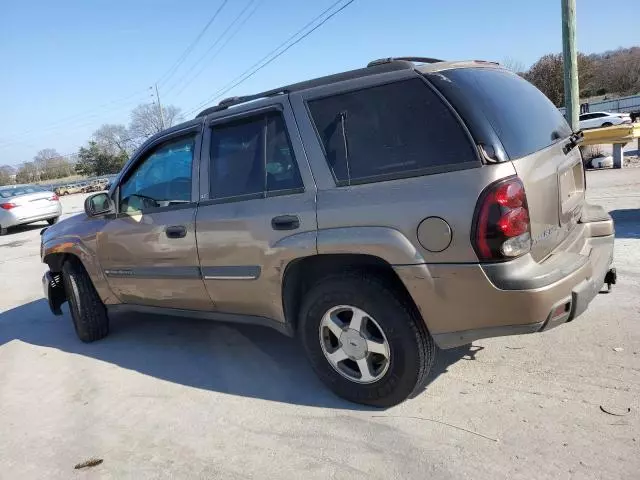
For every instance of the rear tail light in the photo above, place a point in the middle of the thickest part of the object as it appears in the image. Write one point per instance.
(8, 205)
(501, 225)
(54, 198)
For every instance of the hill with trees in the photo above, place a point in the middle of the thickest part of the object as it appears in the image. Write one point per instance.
(613, 73)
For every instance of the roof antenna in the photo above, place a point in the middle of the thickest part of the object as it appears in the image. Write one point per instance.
(343, 123)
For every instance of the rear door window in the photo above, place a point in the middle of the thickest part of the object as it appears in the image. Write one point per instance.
(252, 158)
(390, 131)
(22, 190)
(524, 119)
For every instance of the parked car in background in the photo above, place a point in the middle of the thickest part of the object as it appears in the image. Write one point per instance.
(375, 214)
(71, 189)
(603, 119)
(22, 204)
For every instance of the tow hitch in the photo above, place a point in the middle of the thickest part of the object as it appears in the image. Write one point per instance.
(610, 278)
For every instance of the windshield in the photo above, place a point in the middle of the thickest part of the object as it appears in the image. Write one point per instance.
(524, 119)
(17, 191)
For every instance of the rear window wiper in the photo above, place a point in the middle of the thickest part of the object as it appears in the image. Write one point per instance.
(574, 140)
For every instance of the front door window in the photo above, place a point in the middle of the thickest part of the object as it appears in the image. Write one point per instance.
(162, 179)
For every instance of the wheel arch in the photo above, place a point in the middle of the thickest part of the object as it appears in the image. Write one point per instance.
(302, 274)
(56, 253)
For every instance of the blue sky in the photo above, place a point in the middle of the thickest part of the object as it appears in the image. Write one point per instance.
(70, 66)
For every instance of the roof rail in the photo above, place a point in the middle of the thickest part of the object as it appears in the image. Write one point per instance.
(231, 101)
(384, 65)
(382, 61)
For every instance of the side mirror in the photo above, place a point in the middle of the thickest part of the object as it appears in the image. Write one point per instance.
(98, 204)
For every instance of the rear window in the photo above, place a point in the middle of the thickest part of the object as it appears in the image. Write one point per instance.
(396, 130)
(17, 191)
(524, 119)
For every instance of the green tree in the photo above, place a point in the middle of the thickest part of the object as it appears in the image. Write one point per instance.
(94, 160)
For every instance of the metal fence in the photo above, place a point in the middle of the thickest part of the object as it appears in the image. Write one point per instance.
(620, 105)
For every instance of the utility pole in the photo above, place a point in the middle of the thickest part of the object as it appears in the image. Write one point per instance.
(570, 58)
(160, 108)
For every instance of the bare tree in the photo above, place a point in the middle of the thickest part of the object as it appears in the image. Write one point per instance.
(114, 139)
(27, 173)
(6, 175)
(146, 120)
(516, 66)
(547, 75)
(43, 162)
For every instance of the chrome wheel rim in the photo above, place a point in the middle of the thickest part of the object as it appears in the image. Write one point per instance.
(354, 344)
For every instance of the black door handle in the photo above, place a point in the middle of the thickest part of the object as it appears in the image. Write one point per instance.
(285, 222)
(176, 231)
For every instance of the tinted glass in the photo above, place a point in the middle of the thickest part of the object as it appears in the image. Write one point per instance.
(282, 169)
(524, 119)
(162, 179)
(240, 152)
(237, 159)
(399, 129)
(22, 190)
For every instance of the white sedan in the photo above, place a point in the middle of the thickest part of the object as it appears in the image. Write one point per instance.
(602, 119)
(21, 204)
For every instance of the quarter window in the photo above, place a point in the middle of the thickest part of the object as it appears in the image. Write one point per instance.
(252, 158)
(162, 179)
(395, 130)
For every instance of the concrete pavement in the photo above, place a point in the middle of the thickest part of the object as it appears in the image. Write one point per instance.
(177, 398)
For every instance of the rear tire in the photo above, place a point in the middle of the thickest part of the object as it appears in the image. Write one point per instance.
(87, 310)
(3, 230)
(410, 348)
(53, 221)
(607, 124)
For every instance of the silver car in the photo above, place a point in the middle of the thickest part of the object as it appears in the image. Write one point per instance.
(21, 204)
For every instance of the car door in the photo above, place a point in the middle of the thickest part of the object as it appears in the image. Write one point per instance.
(257, 209)
(148, 251)
(597, 120)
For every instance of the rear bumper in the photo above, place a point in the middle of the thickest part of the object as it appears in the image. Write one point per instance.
(13, 220)
(462, 303)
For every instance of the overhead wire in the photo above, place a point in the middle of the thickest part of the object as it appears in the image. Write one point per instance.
(215, 54)
(169, 73)
(72, 119)
(272, 55)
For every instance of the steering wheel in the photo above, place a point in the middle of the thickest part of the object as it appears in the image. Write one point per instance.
(146, 202)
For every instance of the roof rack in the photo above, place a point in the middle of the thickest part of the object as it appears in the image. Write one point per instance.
(231, 101)
(377, 66)
(382, 61)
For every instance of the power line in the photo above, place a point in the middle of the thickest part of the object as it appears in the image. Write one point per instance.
(260, 64)
(63, 122)
(192, 78)
(188, 50)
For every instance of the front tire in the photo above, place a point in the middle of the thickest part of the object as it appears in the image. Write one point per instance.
(87, 310)
(607, 124)
(380, 362)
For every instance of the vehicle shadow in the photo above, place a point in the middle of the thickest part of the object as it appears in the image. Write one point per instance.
(26, 228)
(240, 360)
(627, 222)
